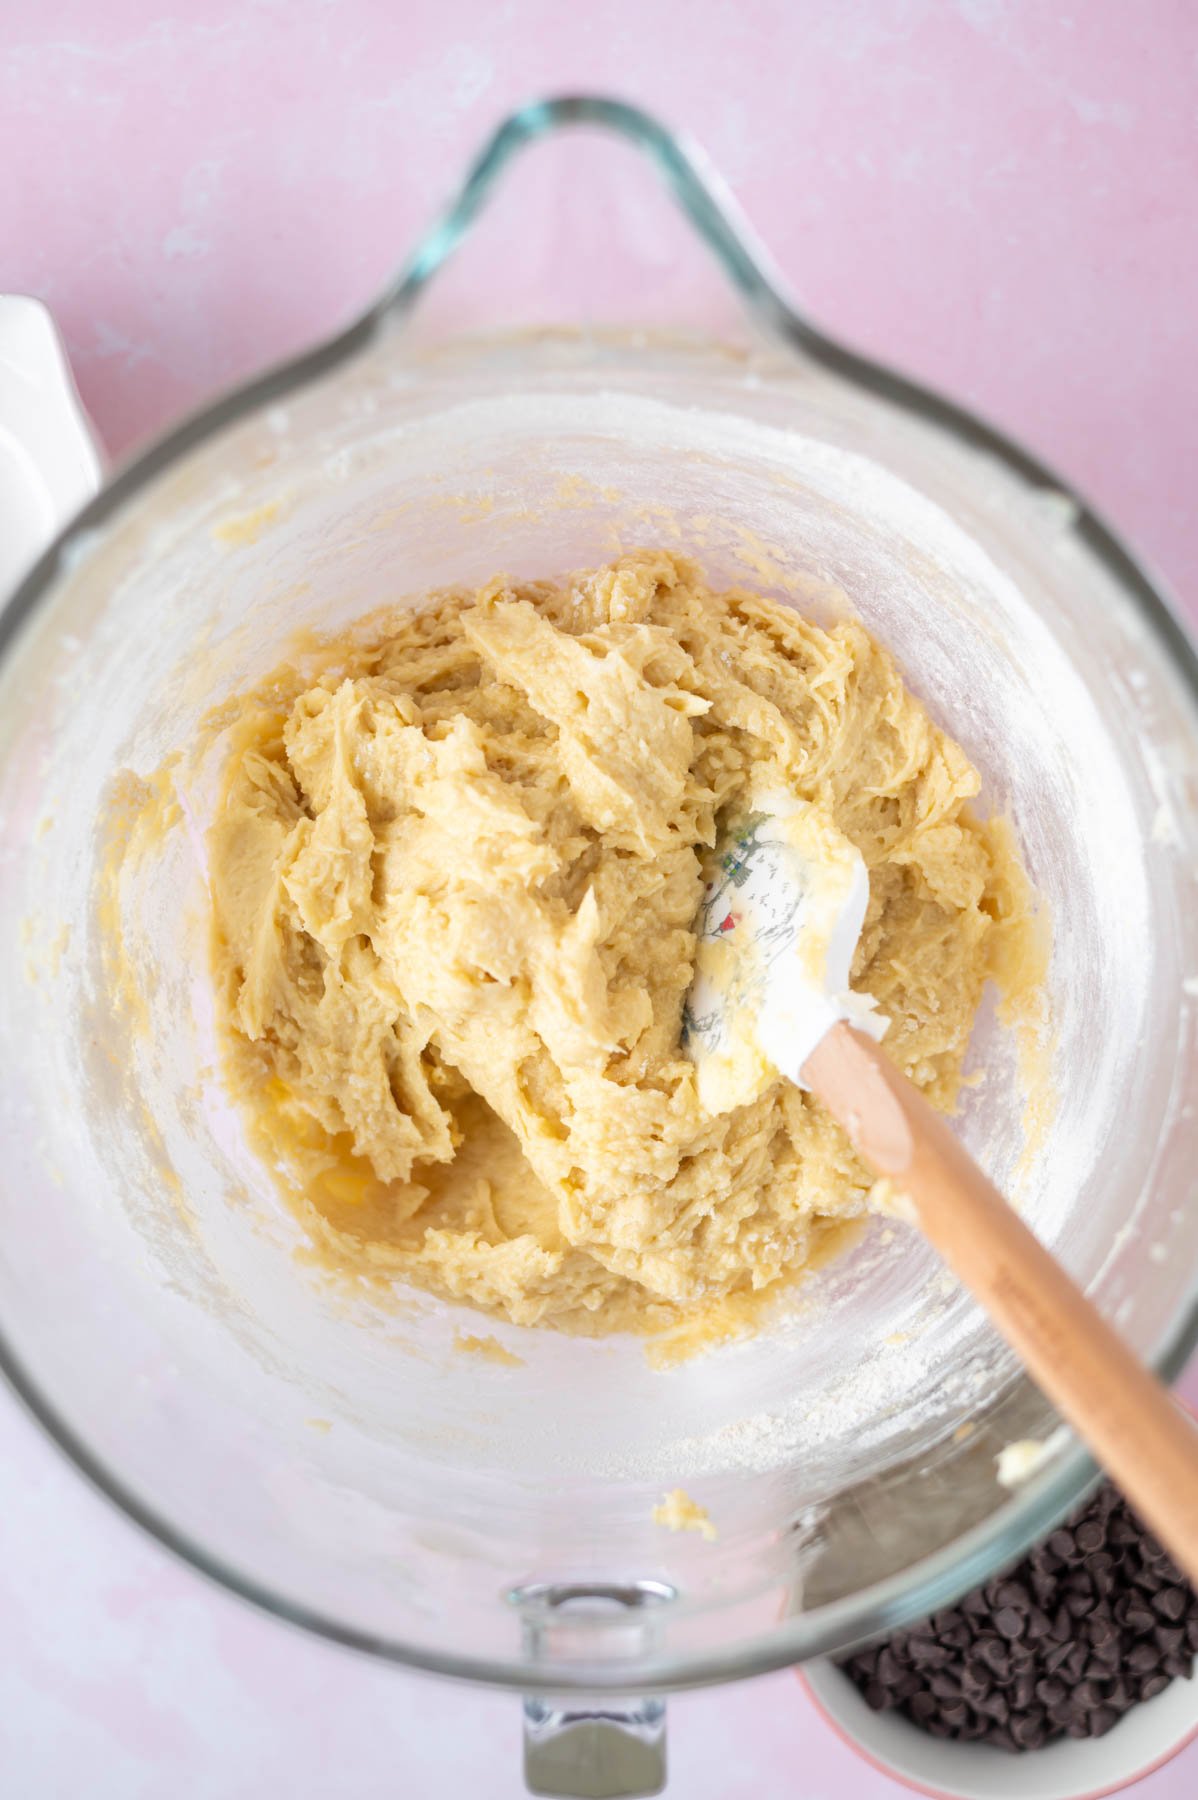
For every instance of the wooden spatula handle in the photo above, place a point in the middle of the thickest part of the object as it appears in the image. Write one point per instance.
(1125, 1415)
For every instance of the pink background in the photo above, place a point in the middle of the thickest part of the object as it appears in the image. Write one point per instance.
(1001, 196)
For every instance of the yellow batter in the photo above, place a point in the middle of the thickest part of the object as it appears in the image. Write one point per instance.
(454, 884)
(678, 1512)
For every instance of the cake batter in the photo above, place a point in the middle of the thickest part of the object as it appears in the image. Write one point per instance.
(454, 885)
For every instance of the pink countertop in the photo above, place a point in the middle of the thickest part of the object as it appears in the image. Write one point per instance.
(997, 194)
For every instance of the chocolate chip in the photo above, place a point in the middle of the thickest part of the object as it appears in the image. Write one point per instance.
(1022, 1690)
(1177, 1666)
(1012, 1593)
(1101, 1720)
(1091, 1535)
(1044, 1586)
(1102, 1569)
(1038, 1624)
(1170, 1603)
(1062, 1544)
(995, 1706)
(1010, 1623)
(1143, 1656)
(1155, 1684)
(976, 1679)
(1061, 1629)
(1028, 1727)
(945, 1686)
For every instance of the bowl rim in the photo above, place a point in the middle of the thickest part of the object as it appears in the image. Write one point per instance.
(1047, 1496)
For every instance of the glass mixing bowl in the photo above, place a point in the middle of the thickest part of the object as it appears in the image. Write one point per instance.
(334, 1455)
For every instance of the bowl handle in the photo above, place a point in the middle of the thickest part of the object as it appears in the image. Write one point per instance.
(694, 185)
(749, 272)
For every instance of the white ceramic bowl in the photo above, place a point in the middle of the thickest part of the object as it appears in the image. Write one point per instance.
(1071, 1769)
(1145, 1738)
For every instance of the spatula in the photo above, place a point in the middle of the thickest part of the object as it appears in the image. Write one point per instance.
(784, 905)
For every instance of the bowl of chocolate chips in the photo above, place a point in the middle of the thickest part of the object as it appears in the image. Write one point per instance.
(1067, 1677)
